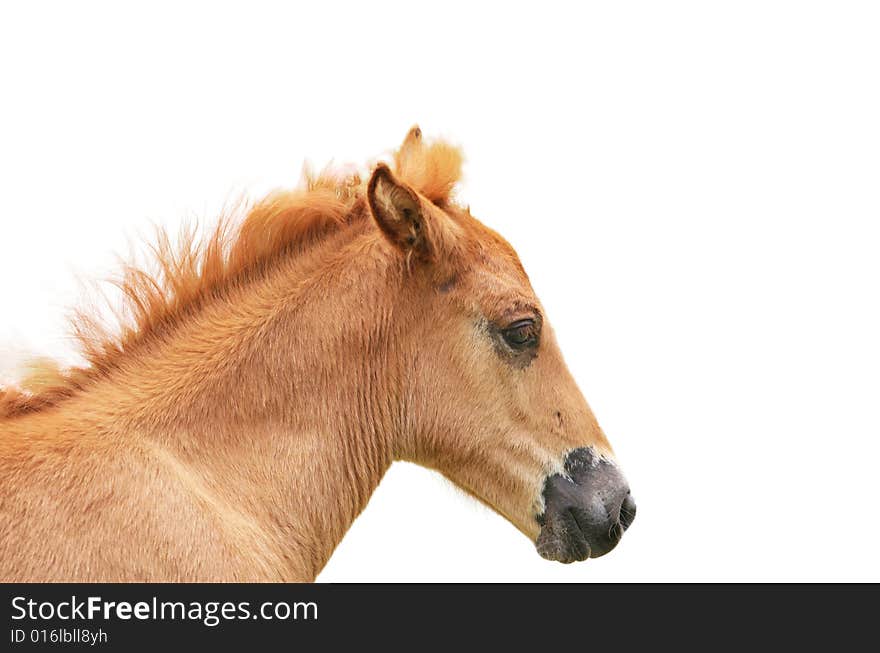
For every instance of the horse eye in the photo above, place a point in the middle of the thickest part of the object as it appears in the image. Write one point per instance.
(521, 334)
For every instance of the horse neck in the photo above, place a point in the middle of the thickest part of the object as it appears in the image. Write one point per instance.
(273, 397)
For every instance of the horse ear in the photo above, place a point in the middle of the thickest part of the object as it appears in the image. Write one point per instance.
(399, 212)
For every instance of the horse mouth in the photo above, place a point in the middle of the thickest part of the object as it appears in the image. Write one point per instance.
(575, 535)
(586, 510)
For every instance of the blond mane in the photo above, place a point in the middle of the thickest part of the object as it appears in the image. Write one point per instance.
(180, 276)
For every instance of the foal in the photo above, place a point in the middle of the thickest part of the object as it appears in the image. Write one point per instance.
(268, 376)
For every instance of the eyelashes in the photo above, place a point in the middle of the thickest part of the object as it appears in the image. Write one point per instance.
(522, 334)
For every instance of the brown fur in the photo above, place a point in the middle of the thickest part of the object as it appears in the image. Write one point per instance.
(267, 377)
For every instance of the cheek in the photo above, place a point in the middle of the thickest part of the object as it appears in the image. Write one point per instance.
(482, 392)
(457, 371)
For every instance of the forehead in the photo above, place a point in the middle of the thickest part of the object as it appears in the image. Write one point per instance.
(490, 271)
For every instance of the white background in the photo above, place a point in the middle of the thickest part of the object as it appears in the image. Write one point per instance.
(692, 186)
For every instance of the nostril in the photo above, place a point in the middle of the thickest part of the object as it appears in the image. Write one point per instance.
(627, 511)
